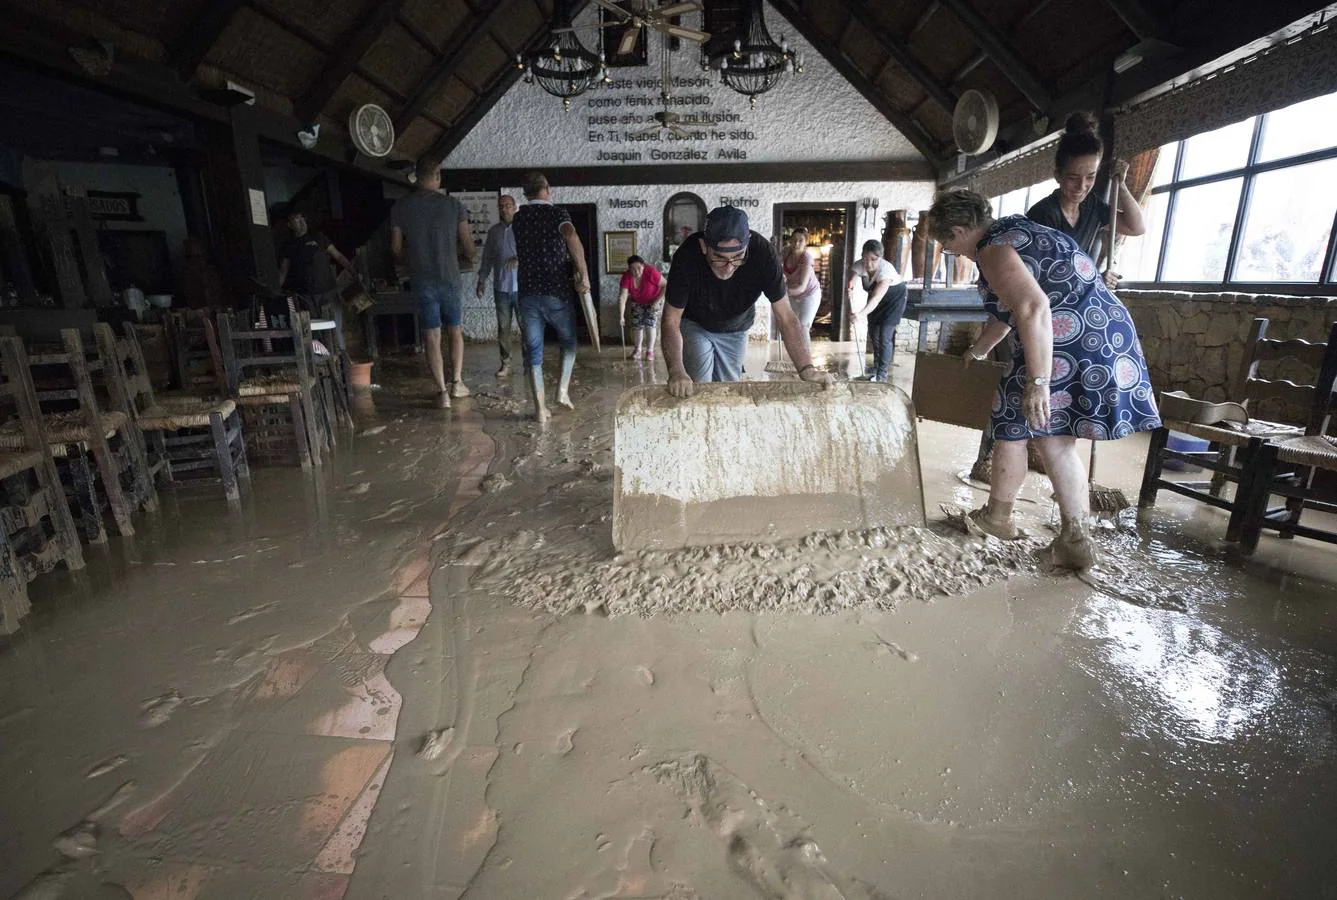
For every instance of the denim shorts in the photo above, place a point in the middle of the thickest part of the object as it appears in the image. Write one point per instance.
(439, 303)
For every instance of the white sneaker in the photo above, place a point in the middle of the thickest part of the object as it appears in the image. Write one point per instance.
(458, 390)
(504, 370)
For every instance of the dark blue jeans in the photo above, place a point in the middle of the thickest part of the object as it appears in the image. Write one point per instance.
(538, 310)
(882, 323)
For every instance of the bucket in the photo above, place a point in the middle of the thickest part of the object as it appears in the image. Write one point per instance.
(359, 375)
(1184, 444)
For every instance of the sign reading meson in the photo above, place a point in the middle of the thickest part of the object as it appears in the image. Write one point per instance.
(114, 206)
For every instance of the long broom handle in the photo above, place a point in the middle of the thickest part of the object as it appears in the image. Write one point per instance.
(1115, 181)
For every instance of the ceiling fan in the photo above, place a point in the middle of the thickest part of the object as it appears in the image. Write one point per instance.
(669, 121)
(635, 16)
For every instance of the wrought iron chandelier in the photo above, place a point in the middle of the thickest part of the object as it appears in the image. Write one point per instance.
(756, 62)
(564, 68)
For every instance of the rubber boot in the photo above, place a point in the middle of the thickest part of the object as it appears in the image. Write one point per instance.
(1072, 549)
(994, 518)
(564, 385)
(536, 393)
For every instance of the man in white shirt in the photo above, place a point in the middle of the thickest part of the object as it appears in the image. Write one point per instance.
(499, 261)
(877, 295)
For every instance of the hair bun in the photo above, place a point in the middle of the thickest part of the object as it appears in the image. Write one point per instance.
(1081, 123)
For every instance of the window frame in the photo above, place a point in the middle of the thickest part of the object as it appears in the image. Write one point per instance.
(1327, 279)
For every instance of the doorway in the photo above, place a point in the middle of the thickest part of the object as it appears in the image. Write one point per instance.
(585, 218)
(831, 243)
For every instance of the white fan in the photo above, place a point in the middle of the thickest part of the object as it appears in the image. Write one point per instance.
(975, 121)
(634, 16)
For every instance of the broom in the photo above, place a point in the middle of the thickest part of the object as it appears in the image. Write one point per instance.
(1107, 501)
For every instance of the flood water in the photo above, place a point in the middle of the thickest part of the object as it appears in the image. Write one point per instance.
(386, 680)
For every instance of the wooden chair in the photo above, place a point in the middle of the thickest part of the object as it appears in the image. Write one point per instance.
(36, 529)
(1230, 448)
(189, 439)
(197, 358)
(1287, 467)
(96, 444)
(271, 376)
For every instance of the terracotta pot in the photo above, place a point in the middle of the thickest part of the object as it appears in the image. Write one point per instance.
(896, 240)
(917, 247)
(359, 374)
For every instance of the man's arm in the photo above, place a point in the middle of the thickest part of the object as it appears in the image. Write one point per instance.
(341, 260)
(486, 262)
(283, 271)
(397, 244)
(466, 237)
(577, 251)
(791, 332)
(679, 382)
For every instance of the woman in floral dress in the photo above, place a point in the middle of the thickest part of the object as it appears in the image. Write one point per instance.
(1077, 370)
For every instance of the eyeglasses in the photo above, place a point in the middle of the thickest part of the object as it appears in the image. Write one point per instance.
(728, 262)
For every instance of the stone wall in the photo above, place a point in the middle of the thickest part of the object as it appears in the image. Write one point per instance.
(1195, 342)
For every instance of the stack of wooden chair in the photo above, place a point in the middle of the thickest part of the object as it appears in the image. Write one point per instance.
(37, 532)
(197, 357)
(189, 439)
(92, 434)
(271, 375)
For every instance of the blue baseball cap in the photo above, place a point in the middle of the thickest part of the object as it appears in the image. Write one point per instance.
(727, 229)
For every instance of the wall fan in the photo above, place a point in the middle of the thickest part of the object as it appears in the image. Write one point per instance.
(635, 16)
(975, 122)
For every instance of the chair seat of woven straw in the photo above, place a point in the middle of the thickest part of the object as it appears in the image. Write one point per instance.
(172, 413)
(12, 462)
(1236, 435)
(1316, 450)
(61, 428)
(280, 384)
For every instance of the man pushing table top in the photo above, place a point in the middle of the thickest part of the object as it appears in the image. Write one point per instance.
(713, 285)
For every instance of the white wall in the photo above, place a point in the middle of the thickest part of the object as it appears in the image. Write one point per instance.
(808, 117)
(648, 223)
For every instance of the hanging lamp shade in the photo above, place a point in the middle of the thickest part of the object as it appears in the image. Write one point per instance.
(564, 67)
(756, 63)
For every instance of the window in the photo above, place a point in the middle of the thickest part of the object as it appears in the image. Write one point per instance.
(1015, 203)
(1253, 203)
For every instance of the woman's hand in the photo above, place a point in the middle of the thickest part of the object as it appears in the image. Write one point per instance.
(1119, 169)
(1035, 406)
(973, 356)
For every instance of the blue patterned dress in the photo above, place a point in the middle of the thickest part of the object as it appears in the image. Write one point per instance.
(1099, 386)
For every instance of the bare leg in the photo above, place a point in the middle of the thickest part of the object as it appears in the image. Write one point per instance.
(639, 334)
(650, 342)
(1072, 549)
(432, 338)
(457, 362)
(1009, 471)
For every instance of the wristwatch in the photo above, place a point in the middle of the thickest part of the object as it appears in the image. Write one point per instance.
(1038, 380)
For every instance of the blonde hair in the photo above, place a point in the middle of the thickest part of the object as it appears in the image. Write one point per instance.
(958, 207)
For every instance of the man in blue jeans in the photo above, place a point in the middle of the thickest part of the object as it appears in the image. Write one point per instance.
(499, 261)
(548, 247)
(436, 229)
(713, 286)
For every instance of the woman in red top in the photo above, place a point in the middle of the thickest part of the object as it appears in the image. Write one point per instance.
(645, 286)
(805, 291)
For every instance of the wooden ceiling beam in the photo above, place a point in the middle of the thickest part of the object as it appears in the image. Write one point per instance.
(1140, 18)
(995, 45)
(915, 133)
(922, 22)
(347, 58)
(191, 48)
(461, 44)
(898, 51)
(416, 33)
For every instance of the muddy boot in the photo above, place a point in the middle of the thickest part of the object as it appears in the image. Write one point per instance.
(564, 385)
(995, 518)
(536, 393)
(1072, 549)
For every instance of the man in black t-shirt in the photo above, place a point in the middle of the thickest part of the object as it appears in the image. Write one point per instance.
(713, 285)
(305, 267)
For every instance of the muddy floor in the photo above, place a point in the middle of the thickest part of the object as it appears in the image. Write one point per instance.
(425, 673)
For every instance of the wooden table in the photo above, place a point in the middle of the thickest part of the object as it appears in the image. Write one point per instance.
(396, 303)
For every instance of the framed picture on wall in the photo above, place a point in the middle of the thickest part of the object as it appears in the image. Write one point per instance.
(619, 246)
(484, 212)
